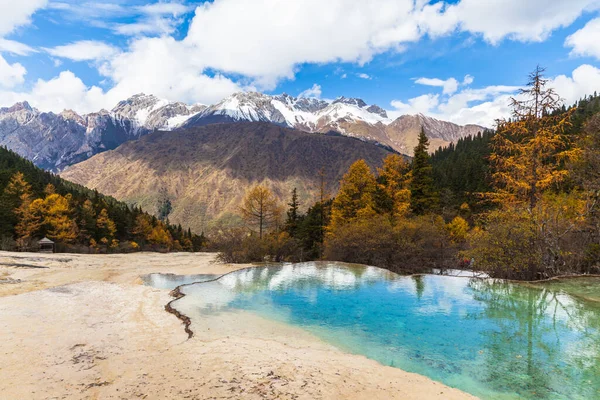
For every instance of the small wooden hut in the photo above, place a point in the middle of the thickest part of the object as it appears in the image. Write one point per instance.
(46, 245)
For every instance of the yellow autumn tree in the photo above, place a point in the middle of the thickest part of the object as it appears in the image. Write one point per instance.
(106, 227)
(394, 180)
(259, 209)
(27, 214)
(143, 227)
(30, 216)
(49, 189)
(161, 237)
(18, 189)
(458, 229)
(355, 199)
(530, 150)
(531, 235)
(57, 213)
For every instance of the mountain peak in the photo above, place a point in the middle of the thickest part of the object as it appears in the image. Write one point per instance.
(375, 109)
(20, 106)
(351, 101)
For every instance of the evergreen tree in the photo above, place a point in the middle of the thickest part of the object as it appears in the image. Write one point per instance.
(164, 206)
(423, 196)
(291, 225)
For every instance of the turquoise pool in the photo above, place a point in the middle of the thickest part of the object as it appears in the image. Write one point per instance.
(493, 339)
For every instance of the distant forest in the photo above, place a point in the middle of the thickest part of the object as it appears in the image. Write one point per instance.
(35, 203)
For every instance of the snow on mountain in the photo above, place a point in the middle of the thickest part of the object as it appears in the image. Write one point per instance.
(308, 114)
(151, 112)
(54, 141)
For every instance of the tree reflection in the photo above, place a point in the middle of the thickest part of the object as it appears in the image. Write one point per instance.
(542, 344)
(419, 285)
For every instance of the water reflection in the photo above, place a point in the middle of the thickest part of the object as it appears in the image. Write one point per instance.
(171, 281)
(489, 338)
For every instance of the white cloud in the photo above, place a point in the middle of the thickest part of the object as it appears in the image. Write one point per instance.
(57, 94)
(176, 77)
(364, 76)
(264, 41)
(167, 68)
(484, 106)
(418, 105)
(530, 20)
(174, 9)
(585, 41)
(583, 81)
(17, 13)
(450, 85)
(160, 18)
(11, 46)
(267, 39)
(14, 14)
(11, 75)
(314, 91)
(84, 50)
(148, 26)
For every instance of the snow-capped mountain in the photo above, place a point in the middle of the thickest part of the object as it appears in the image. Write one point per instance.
(307, 114)
(54, 141)
(151, 112)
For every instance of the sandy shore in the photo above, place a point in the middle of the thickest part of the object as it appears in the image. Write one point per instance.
(85, 328)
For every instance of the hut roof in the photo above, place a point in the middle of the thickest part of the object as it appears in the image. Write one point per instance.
(46, 241)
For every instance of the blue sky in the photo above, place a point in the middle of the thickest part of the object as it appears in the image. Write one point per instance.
(458, 60)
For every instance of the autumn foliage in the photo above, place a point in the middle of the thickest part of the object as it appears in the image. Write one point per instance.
(35, 204)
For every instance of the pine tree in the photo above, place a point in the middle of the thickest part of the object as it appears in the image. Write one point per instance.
(291, 225)
(356, 197)
(87, 222)
(164, 205)
(423, 195)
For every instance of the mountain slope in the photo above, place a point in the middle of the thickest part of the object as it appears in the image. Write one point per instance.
(348, 116)
(206, 170)
(87, 214)
(55, 141)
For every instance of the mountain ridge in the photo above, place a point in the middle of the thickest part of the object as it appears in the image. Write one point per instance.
(55, 141)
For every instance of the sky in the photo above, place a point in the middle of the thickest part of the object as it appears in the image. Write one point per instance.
(457, 60)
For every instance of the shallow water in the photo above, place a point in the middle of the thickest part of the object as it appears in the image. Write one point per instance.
(493, 339)
(171, 281)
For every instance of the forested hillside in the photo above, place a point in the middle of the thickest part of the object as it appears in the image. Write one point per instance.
(520, 202)
(35, 203)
